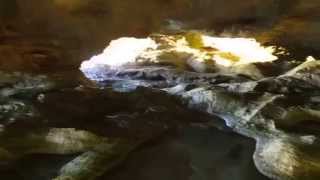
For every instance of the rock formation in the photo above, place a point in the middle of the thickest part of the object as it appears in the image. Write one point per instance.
(261, 92)
(259, 107)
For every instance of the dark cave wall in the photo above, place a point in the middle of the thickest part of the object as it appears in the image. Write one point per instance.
(62, 33)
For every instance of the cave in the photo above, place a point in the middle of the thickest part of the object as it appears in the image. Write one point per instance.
(160, 90)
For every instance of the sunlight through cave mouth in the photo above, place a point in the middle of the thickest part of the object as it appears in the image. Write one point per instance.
(193, 50)
(186, 89)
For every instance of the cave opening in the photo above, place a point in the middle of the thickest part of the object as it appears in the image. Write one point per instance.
(159, 89)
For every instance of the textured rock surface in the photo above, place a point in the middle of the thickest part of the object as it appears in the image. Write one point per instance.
(277, 107)
(53, 34)
(45, 120)
(263, 109)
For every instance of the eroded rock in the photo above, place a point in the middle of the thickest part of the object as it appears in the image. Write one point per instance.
(258, 107)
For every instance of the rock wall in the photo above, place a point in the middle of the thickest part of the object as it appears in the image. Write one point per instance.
(76, 29)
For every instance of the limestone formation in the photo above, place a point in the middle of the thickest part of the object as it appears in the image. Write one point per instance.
(259, 107)
(256, 95)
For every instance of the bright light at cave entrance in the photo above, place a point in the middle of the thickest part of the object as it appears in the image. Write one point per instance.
(225, 51)
(235, 51)
(120, 52)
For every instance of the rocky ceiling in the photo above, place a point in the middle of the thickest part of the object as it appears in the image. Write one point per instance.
(58, 34)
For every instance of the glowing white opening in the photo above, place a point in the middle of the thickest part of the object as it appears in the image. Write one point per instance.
(120, 52)
(227, 52)
(245, 49)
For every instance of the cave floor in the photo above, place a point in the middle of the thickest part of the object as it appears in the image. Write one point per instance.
(184, 144)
